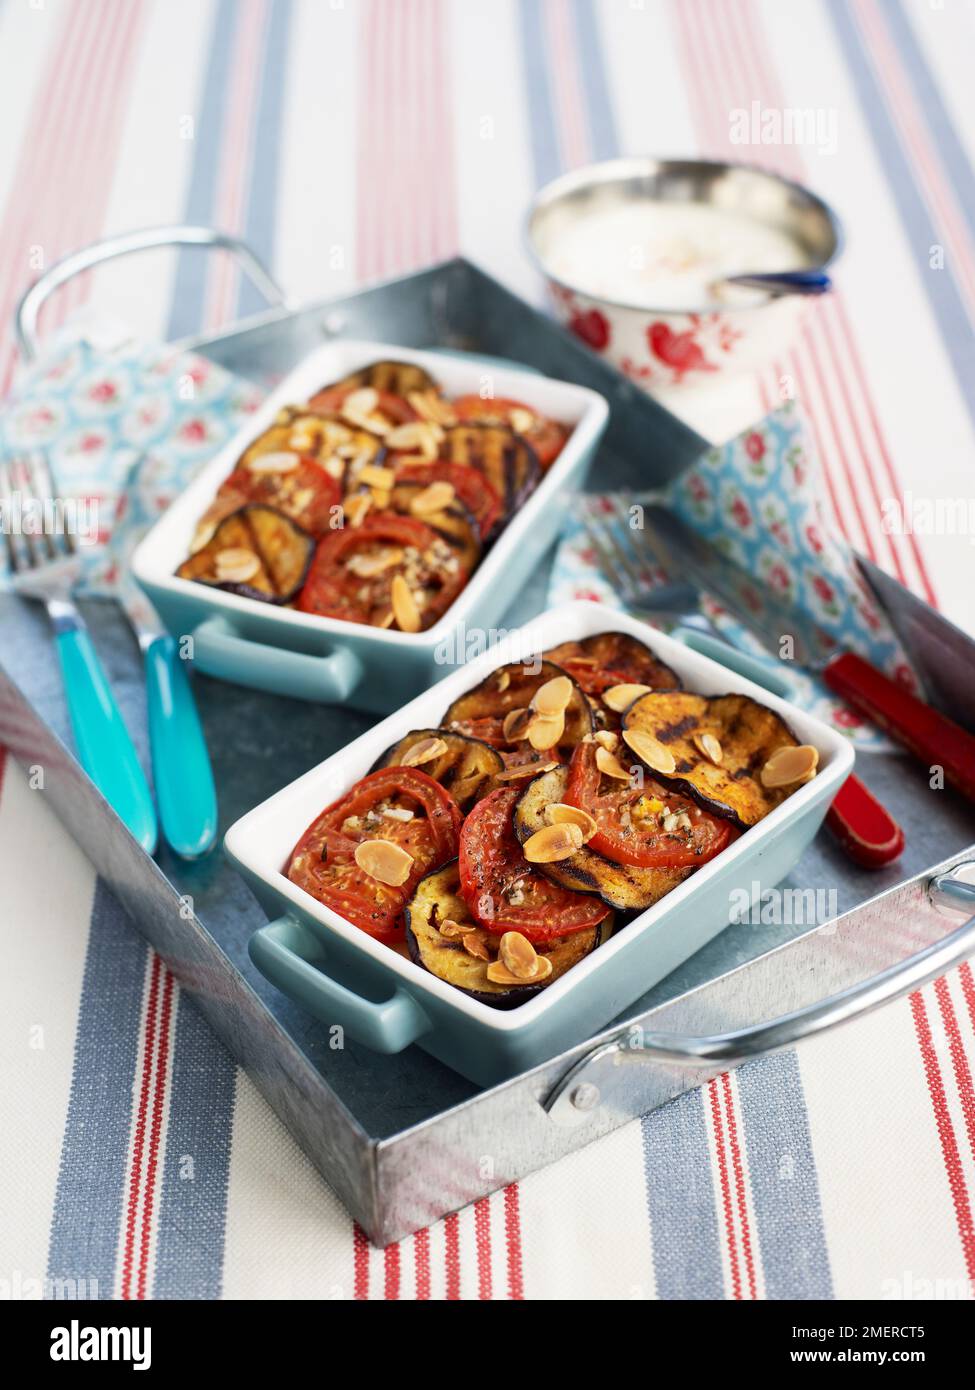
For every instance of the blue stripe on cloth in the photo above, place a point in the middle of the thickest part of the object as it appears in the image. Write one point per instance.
(783, 1181)
(681, 1201)
(939, 285)
(603, 137)
(546, 154)
(90, 1193)
(262, 204)
(193, 1201)
(189, 285)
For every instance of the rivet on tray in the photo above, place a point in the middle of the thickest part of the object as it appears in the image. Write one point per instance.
(585, 1096)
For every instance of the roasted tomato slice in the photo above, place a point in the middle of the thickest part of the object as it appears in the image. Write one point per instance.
(323, 861)
(544, 435)
(506, 893)
(304, 492)
(631, 818)
(473, 489)
(391, 407)
(353, 570)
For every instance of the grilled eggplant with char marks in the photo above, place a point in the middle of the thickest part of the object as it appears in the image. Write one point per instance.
(438, 506)
(608, 659)
(625, 887)
(547, 437)
(256, 552)
(501, 712)
(718, 750)
(507, 461)
(398, 378)
(435, 921)
(463, 766)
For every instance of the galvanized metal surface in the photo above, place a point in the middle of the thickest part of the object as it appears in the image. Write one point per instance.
(401, 1138)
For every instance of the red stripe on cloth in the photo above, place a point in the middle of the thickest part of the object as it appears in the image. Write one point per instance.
(946, 1133)
(968, 990)
(421, 1260)
(574, 142)
(739, 1172)
(392, 1270)
(158, 1115)
(139, 1136)
(512, 1230)
(360, 1262)
(482, 1242)
(959, 1059)
(725, 1189)
(451, 1231)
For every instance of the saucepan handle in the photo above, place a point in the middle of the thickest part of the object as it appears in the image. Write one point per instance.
(219, 650)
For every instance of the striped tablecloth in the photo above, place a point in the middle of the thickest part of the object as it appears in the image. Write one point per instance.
(353, 139)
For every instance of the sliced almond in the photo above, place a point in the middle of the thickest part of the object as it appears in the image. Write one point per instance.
(553, 696)
(610, 766)
(355, 508)
(518, 956)
(424, 752)
(361, 402)
(499, 974)
(559, 812)
(606, 738)
(235, 565)
(405, 611)
(276, 462)
(650, 750)
(433, 499)
(475, 945)
(398, 813)
(709, 746)
(515, 774)
(430, 406)
(618, 697)
(504, 680)
(374, 476)
(521, 420)
(515, 724)
(421, 435)
(368, 566)
(789, 765)
(383, 860)
(454, 931)
(545, 730)
(552, 842)
(334, 466)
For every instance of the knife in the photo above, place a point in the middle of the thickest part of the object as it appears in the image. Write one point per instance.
(185, 791)
(924, 731)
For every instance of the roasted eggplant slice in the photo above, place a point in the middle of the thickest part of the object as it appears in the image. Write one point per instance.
(507, 461)
(463, 766)
(257, 552)
(623, 886)
(398, 378)
(719, 745)
(482, 712)
(612, 658)
(454, 522)
(437, 900)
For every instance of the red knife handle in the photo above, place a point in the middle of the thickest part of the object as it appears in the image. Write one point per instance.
(928, 734)
(865, 828)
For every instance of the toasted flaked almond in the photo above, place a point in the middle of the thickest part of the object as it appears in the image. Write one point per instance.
(650, 750)
(552, 842)
(386, 620)
(373, 476)
(788, 765)
(516, 773)
(515, 724)
(475, 945)
(709, 746)
(355, 508)
(405, 611)
(334, 466)
(431, 406)
(521, 420)
(558, 812)
(398, 813)
(302, 441)
(362, 401)
(433, 499)
(277, 462)
(618, 697)
(553, 696)
(545, 730)
(610, 766)
(372, 424)
(606, 738)
(504, 680)
(420, 435)
(499, 974)
(517, 954)
(204, 533)
(383, 860)
(236, 565)
(368, 566)
(423, 752)
(454, 931)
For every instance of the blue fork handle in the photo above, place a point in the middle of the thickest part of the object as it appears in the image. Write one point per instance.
(761, 670)
(181, 769)
(102, 740)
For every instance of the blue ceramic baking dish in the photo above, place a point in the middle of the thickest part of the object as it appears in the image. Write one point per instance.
(386, 1002)
(312, 658)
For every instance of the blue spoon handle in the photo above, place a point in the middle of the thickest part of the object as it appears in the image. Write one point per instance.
(102, 740)
(801, 282)
(181, 768)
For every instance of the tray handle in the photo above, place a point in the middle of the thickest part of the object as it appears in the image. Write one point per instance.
(289, 956)
(219, 650)
(596, 1078)
(146, 239)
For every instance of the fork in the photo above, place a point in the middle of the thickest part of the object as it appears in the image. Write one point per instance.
(45, 565)
(629, 563)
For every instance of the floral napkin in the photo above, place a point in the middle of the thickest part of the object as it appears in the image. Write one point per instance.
(757, 499)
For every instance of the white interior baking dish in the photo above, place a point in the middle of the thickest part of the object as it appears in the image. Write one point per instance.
(386, 1002)
(309, 657)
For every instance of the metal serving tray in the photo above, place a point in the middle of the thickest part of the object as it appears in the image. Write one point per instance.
(401, 1138)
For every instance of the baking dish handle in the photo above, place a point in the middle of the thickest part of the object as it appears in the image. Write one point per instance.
(593, 1081)
(219, 650)
(289, 956)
